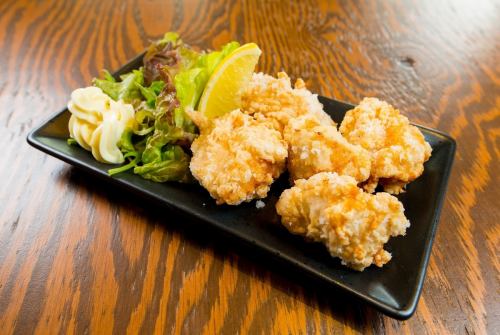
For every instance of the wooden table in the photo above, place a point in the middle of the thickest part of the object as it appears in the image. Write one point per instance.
(79, 257)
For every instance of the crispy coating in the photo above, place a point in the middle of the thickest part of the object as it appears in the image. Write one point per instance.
(314, 147)
(353, 225)
(276, 100)
(236, 158)
(398, 149)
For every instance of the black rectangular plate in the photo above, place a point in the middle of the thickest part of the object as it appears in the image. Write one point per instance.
(393, 289)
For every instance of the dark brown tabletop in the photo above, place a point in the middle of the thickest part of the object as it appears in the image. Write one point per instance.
(78, 256)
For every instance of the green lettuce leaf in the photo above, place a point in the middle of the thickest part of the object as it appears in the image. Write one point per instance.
(108, 76)
(145, 119)
(127, 89)
(126, 145)
(151, 93)
(169, 36)
(173, 164)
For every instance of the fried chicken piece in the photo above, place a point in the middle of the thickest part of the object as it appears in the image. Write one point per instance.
(276, 100)
(236, 158)
(353, 225)
(314, 147)
(398, 149)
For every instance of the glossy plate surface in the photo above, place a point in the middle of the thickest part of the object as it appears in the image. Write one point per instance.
(393, 289)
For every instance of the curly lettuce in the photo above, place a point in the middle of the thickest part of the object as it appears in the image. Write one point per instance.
(173, 164)
(127, 89)
(160, 54)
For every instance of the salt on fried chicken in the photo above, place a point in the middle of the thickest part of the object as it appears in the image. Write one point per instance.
(314, 147)
(398, 149)
(236, 158)
(276, 100)
(353, 225)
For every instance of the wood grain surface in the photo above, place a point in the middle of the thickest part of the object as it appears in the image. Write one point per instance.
(79, 257)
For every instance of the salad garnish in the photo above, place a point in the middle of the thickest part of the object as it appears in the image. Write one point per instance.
(170, 82)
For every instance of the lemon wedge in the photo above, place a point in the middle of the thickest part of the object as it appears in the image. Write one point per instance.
(229, 79)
